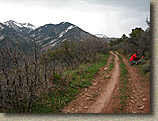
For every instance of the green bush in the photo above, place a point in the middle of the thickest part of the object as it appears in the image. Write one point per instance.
(146, 67)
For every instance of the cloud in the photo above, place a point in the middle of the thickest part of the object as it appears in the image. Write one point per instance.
(110, 17)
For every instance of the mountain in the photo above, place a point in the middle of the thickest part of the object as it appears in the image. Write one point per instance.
(47, 36)
(20, 27)
(10, 37)
(51, 35)
(105, 38)
(101, 36)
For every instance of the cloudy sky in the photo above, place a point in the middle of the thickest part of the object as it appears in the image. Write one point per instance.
(110, 17)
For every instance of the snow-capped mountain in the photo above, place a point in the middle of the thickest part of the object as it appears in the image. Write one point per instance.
(8, 36)
(105, 38)
(20, 27)
(1, 29)
(51, 35)
(47, 36)
(101, 36)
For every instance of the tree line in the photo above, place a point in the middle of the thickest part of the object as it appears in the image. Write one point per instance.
(138, 40)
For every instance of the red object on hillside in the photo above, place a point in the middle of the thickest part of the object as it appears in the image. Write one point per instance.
(133, 57)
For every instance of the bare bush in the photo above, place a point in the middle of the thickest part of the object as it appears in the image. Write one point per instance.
(24, 79)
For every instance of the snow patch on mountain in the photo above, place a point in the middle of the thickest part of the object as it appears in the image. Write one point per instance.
(101, 36)
(1, 27)
(15, 25)
(39, 30)
(63, 40)
(1, 37)
(28, 25)
(53, 44)
(47, 38)
(69, 28)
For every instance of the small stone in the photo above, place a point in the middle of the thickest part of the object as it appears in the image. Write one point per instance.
(144, 99)
(132, 101)
(108, 76)
(105, 68)
(68, 111)
(88, 98)
(134, 112)
(83, 80)
(141, 108)
(134, 91)
(100, 89)
(79, 109)
(86, 107)
(132, 97)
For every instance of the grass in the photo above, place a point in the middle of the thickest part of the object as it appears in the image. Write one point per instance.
(123, 85)
(111, 66)
(82, 76)
(79, 78)
(144, 69)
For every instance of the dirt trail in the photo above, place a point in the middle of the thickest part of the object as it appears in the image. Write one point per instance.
(139, 91)
(102, 95)
(97, 97)
(103, 100)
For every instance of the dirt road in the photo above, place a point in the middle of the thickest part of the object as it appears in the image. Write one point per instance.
(102, 102)
(100, 97)
(139, 91)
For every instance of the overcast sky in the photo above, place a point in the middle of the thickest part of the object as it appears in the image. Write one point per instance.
(110, 17)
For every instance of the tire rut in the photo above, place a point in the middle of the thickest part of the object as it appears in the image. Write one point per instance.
(102, 103)
(96, 98)
(139, 91)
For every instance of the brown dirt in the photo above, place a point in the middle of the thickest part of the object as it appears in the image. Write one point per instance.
(139, 91)
(103, 103)
(95, 98)
(102, 95)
